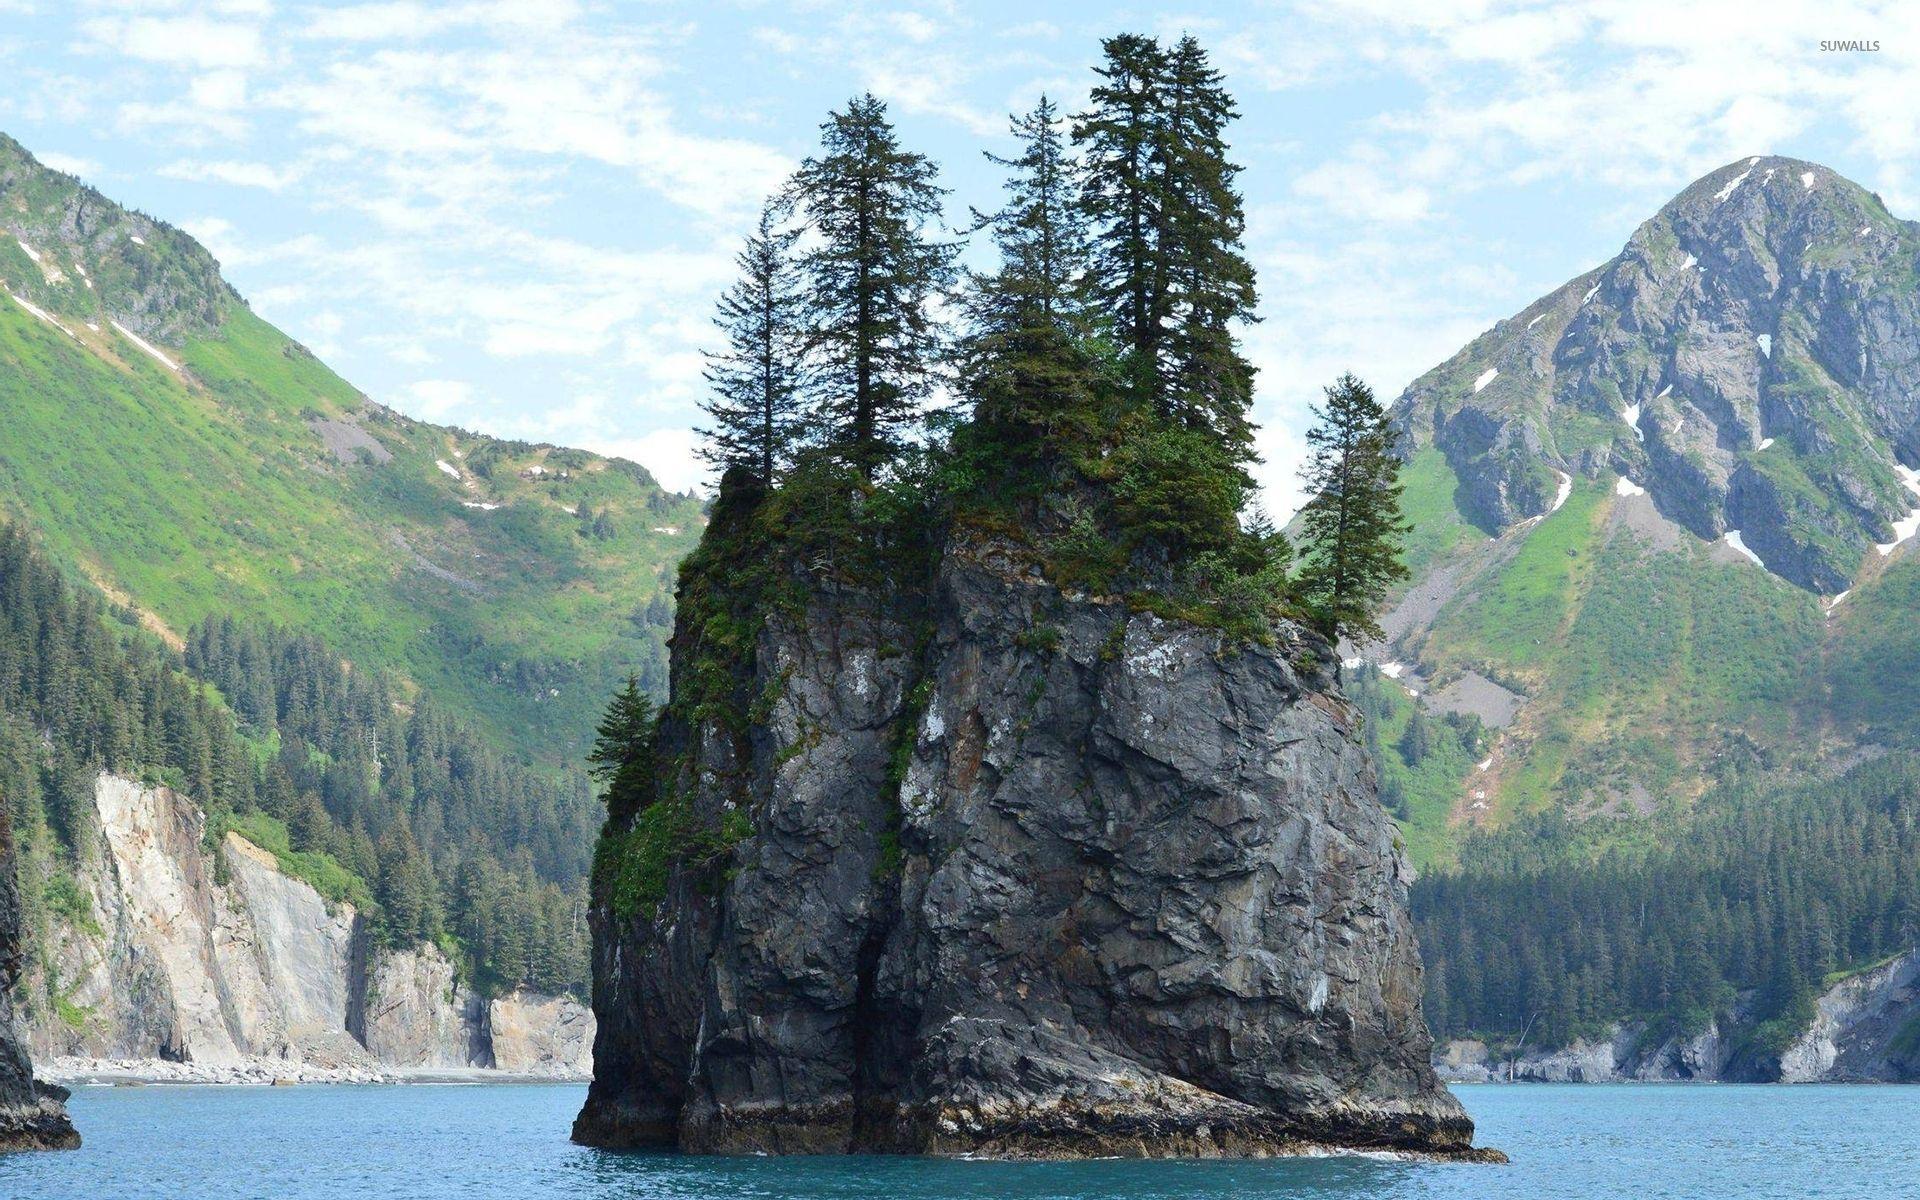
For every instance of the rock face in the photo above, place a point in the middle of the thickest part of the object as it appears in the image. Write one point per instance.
(225, 961)
(33, 1115)
(1751, 359)
(416, 1014)
(1135, 895)
(1866, 1028)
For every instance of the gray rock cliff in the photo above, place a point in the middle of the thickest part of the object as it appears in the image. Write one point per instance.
(1068, 880)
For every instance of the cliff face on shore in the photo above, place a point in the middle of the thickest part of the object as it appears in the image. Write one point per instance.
(1865, 1029)
(1028, 874)
(178, 951)
(33, 1115)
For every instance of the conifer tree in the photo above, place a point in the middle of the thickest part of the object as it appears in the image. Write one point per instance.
(1210, 282)
(1351, 526)
(756, 404)
(871, 281)
(1124, 136)
(1168, 225)
(622, 756)
(1025, 362)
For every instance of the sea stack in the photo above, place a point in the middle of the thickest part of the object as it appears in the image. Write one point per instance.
(988, 865)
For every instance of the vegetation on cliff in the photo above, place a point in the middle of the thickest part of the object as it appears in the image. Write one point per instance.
(410, 815)
(1102, 428)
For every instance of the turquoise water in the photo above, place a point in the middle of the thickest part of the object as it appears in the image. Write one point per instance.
(344, 1143)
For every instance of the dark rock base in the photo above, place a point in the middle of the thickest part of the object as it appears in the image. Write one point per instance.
(40, 1125)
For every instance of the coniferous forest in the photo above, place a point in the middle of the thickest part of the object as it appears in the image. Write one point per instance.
(393, 807)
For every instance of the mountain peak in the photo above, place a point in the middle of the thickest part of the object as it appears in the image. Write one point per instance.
(1751, 359)
(86, 264)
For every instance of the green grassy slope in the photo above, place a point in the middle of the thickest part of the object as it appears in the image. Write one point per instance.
(214, 488)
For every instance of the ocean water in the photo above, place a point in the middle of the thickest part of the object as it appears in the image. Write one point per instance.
(343, 1143)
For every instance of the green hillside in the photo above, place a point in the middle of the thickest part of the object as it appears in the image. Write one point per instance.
(516, 583)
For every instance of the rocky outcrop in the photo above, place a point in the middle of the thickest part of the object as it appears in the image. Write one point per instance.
(414, 1012)
(1073, 881)
(1865, 1028)
(221, 960)
(531, 1034)
(1626, 1054)
(33, 1115)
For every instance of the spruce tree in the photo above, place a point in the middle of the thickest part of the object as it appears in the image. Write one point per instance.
(622, 755)
(1210, 282)
(1025, 362)
(756, 404)
(871, 281)
(1124, 136)
(1351, 526)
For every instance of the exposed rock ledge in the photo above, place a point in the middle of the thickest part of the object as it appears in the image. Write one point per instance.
(246, 972)
(1136, 896)
(1866, 1028)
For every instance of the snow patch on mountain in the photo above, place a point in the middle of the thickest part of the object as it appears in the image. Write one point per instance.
(151, 349)
(1906, 528)
(1739, 179)
(1627, 487)
(447, 468)
(1566, 489)
(42, 313)
(1766, 343)
(1733, 539)
(1486, 377)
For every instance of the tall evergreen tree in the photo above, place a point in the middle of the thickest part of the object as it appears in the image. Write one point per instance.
(622, 756)
(872, 279)
(1025, 362)
(1210, 283)
(1124, 136)
(756, 404)
(1351, 526)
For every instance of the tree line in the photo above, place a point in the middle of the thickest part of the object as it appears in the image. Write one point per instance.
(459, 845)
(1742, 908)
(451, 842)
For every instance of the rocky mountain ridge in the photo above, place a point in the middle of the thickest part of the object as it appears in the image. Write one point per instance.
(186, 953)
(1663, 515)
(1750, 359)
(1072, 881)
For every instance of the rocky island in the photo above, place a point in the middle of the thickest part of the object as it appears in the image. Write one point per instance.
(1076, 881)
(1005, 801)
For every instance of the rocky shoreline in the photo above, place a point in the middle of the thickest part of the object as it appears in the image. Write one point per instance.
(257, 1072)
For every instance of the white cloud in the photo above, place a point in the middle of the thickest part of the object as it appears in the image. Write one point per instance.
(442, 400)
(192, 40)
(668, 453)
(239, 174)
(72, 164)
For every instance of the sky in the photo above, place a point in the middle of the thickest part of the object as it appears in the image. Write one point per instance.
(515, 216)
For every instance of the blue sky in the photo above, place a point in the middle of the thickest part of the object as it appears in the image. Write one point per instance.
(515, 216)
